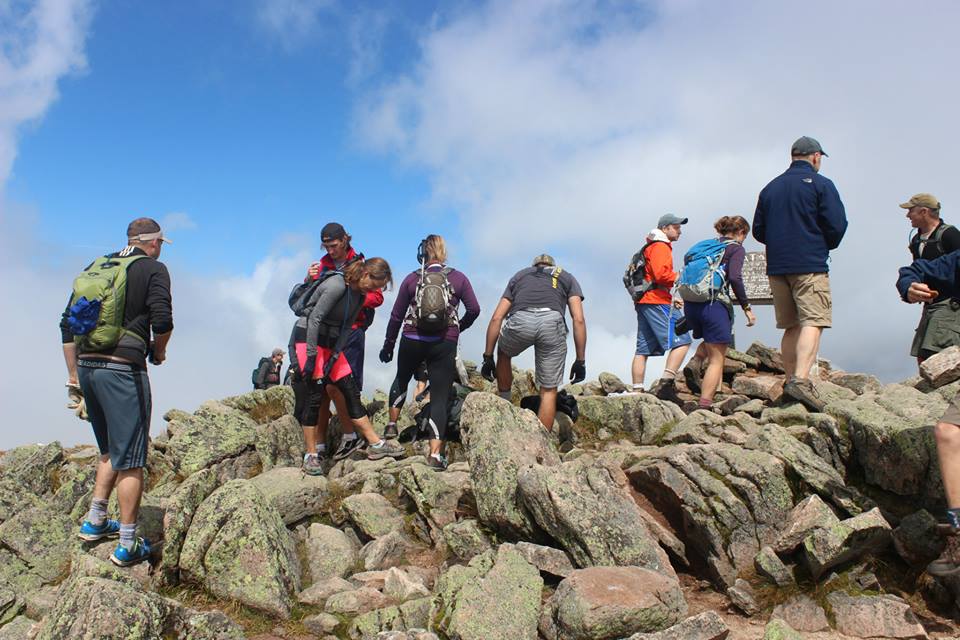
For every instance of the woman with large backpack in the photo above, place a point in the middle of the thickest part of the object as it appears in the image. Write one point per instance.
(711, 268)
(317, 343)
(426, 308)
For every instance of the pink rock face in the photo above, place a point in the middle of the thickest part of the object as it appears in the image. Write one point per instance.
(763, 387)
(884, 616)
(942, 368)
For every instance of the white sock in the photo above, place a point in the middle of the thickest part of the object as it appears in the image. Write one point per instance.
(377, 445)
(321, 448)
(638, 387)
(98, 512)
(307, 456)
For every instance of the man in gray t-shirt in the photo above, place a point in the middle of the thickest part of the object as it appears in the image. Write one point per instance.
(531, 313)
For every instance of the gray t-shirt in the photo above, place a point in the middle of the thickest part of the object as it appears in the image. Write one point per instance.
(541, 288)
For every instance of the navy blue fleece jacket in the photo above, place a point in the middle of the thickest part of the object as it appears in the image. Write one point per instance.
(941, 274)
(801, 219)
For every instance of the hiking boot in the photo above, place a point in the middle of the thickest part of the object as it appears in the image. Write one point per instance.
(312, 466)
(347, 447)
(390, 431)
(437, 463)
(693, 376)
(92, 533)
(387, 449)
(123, 557)
(666, 389)
(804, 392)
(948, 564)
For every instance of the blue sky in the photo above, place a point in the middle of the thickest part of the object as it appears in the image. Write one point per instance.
(510, 128)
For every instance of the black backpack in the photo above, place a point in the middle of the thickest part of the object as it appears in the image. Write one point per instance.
(421, 427)
(253, 376)
(432, 301)
(635, 275)
(566, 403)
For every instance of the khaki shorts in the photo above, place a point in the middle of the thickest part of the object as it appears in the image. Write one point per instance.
(801, 299)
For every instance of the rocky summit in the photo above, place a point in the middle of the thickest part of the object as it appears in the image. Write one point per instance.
(642, 519)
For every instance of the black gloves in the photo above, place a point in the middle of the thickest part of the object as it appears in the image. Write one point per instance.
(386, 354)
(308, 368)
(578, 372)
(489, 367)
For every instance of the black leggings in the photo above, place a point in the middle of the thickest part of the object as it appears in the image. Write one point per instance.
(309, 397)
(441, 360)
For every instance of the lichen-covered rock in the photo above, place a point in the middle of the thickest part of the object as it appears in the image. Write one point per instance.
(765, 356)
(742, 597)
(804, 518)
(916, 539)
(802, 613)
(210, 435)
(319, 591)
(409, 615)
(642, 415)
(238, 548)
(704, 626)
(465, 539)
(42, 538)
(437, 496)
(321, 624)
(373, 514)
(778, 629)
(762, 387)
(292, 493)
(859, 383)
(603, 603)
(330, 553)
(263, 405)
(769, 565)
(852, 538)
(547, 559)
(18, 628)
(733, 501)
(279, 443)
(471, 600)
(500, 439)
(883, 616)
(202, 625)
(41, 602)
(355, 602)
(101, 609)
(586, 506)
(180, 508)
(385, 552)
(401, 586)
(611, 383)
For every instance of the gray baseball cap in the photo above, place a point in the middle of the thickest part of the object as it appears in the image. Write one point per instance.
(668, 218)
(805, 145)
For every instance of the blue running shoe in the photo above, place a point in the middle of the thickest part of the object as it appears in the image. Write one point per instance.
(124, 558)
(92, 533)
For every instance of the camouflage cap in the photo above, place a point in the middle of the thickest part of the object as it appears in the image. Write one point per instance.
(544, 260)
(927, 200)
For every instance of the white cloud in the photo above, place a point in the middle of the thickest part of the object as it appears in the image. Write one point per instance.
(561, 126)
(39, 43)
(292, 22)
(177, 221)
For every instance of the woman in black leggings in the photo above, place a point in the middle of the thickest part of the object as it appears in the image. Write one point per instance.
(437, 349)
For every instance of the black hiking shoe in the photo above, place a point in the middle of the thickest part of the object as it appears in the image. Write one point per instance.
(805, 393)
(666, 389)
(390, 431)
(948, 564)
(693, 376)
(347, 447)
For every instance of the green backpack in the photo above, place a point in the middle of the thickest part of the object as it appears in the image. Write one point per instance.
(99, 297)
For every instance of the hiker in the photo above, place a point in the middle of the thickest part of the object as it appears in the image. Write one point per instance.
(800, 219)
(340, 253)
(267, 373)
(718, 263)
(656, 317)
(531, 313)
(939, 326)
(325, 372)
(914, 285)
(116, 303)
(426, 308)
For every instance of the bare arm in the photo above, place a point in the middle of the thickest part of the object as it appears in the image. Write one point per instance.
(493, 329)
(160, 346)
(70, 358)
(579, 326)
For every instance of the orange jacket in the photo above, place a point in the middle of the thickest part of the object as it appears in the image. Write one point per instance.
(659, 269)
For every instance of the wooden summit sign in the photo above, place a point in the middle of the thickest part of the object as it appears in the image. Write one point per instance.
(755, 278)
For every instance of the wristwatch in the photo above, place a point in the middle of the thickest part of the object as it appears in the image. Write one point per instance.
(746, 307)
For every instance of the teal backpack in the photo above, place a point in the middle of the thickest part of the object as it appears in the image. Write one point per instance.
(703, 278)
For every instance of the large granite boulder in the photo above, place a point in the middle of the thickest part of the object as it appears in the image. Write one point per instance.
(500, 439)
(292, 493)
(883, 616)
(330, 552)
(437, 496)
(703, 626)
(603, 603)
(372, 514)
(825, 548)
(180, 509)
(212, 434)
(279, 443)
(42, 538)
(643, 416)
(238, 548)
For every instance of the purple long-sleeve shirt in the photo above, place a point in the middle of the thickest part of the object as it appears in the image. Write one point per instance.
(462, 292)
(733, 257)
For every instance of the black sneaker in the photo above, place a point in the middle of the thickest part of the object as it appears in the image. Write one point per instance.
(437, 463)
(693, 376)
(805, 393)
(666, 389)
(347, 447)
(390, 431)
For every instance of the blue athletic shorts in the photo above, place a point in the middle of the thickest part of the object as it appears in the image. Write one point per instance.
(710, 321)
(655, 329)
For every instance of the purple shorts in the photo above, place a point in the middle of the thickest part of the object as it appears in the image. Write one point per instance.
(711, 321)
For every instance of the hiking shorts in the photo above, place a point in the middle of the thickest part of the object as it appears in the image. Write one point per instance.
(939, 328)
(544, 330)
(712, 321)
(801, 299)
(118, 405)
(655, 330)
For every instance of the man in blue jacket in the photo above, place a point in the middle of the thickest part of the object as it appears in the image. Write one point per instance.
(914, 286)
(801, 219)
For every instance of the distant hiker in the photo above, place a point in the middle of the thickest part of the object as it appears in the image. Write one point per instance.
(939, 326)
(426, 308)
(914, 286)
(324, 372)
(340, 253)
(531, 313)
(267, 373)
(106, 332)
(801, 219)
(652, 266)
(711, 269)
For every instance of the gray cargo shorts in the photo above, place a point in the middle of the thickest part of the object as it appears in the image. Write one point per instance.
(546, 331)
(118, 405)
